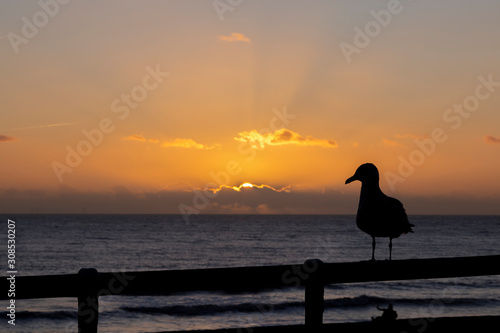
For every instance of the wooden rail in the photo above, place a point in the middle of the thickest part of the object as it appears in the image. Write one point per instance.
(313, 274)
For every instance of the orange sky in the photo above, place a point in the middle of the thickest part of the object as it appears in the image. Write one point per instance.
(163, 99)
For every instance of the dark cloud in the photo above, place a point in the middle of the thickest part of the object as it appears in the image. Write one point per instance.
(5, 138)
(491, 139)
(227, 201)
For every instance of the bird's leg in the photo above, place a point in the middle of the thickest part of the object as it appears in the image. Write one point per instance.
(390, 248)
(373, 249)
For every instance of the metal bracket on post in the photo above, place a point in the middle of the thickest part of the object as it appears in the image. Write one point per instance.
(88, 300)
(315, 290)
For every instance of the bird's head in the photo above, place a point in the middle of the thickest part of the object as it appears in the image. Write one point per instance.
(366, 173)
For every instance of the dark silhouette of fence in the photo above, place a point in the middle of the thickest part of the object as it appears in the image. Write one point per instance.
(89, 285)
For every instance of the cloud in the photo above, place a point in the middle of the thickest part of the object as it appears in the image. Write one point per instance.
(281, 137)
(402, 137)
(140, 138)
(120, 200)
(6, 138)
(235, 37)
(234, 208)
(249, 187)
(135, 137)
(491, 139)
(392, 143)
(269, 200)
(186, 143)
(176, 143)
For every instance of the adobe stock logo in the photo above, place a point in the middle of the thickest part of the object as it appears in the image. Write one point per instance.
(454, 117)
(31, 28)
(372, 29)
(223, 6)
(122, 107)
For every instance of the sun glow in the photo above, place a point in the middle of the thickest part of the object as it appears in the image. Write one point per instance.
(248, 186)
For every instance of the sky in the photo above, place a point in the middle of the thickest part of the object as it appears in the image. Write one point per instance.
(171, 106)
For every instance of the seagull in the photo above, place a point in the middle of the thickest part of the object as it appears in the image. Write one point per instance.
(378, 215)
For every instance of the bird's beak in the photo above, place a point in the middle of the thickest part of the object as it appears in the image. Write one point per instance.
(350, 180)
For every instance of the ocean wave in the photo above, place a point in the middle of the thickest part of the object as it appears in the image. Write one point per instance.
(365, 300)
(248, 307)
(210, 309)
(344, 302)
(54, 315)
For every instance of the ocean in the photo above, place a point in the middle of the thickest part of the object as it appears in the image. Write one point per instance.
(62, 244)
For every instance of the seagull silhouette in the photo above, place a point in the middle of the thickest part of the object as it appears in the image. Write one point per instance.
(378, 215)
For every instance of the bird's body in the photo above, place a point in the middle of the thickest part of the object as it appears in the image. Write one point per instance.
(378, 215)
(381, 216)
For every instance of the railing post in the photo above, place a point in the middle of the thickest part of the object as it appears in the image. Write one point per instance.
(88, 300)
(315, 290)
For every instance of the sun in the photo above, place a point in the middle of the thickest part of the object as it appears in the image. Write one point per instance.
(246, 185)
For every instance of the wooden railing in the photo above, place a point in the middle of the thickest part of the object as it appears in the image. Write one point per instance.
(88, 285)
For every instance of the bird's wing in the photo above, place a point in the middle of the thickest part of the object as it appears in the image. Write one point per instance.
(397, 215)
